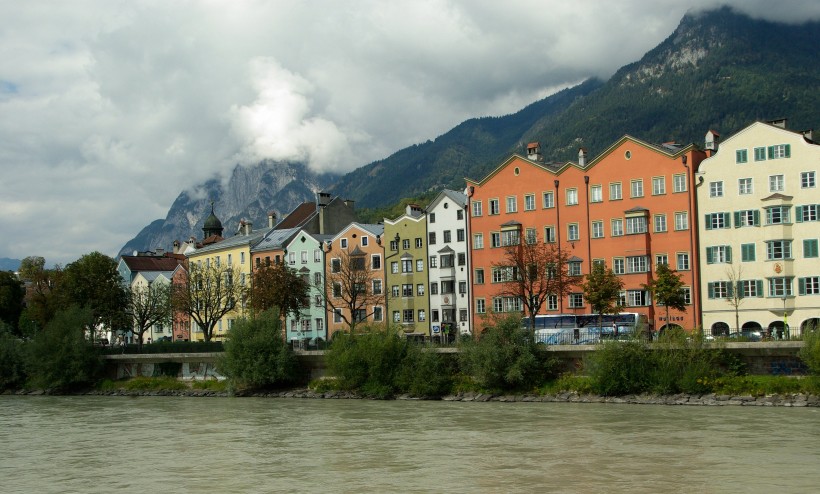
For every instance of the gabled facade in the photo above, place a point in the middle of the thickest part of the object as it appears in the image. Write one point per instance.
(759, 209)
(630, 208)
(406, 272)
(449, 264)
(306, 256)
(143, 281)
(360, 244)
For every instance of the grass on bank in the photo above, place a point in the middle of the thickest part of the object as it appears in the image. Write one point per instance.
(160, 384)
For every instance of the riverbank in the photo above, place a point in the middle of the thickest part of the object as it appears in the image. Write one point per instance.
(780, 400)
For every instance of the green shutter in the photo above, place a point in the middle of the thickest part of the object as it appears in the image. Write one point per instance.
(759, 288)
(739, 289)
(708, 222)
(730, 289)
(798, 213)
(727, 220)
(710, 255)
(710, 288)
(756, 215)
(737, 219)
(788, 150)
(728, 253)
(801, 286)
(770, 151)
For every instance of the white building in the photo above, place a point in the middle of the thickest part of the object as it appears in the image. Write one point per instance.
(758, 227)
(448, 262)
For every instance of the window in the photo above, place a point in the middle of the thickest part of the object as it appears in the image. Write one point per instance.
(574, 268)
(394, 267)
(394, 245)
(683, 261)
(365, 241)
(716, 189)
(719, 289)
(576, 300)
(530, 236)
(377, 287)
(596, 193)
(405, 244)
(448, 237)
(597, 229)
(498, 304)
(407, 315)
(434, 288)
(420, 289)
(717, 220)
(615, 192)
(747, 252)
(572, 232)
(747, 217)
(460, 214)
(476, 208)
(510, 237)
(807, 212)
(572, 197)
(480, 306)
(378, 314)
(317, 255)
(636, 264)
(292, 258)
(406, 265)
(718, 254)
(552, 302)
(462, 259)
(337, 315)
(335, 265)
(658, 186)
(750, 288)
(448, 286)
(431, 238)
(419, 242)
(780, 287)
(778, 249)
(343, 243)
(432, 217)
(549, 234)
(375, 261)
(618, 265)
(478, 241)
(419, 265)
(679, 182)
(809, 285)
(407, 290)
(776, 183)
(447, 261)
(617, 227)
(682, 221)
(512, 204)
(529, 202)
(635, 224)
(462, 314)
(433, 261)
(810, 247)
(636, 188)
(779, 151)
(637, 298)
(549, 200)
(460, 235)
(778, 215)
(661, 259)
(493, 204)
(422, 315)
(497, 275)
(741, 156)
(317, 279)
(479, 276)
(807, 180)
(660, 223)
(760, 154)
(495, 239)
(744, 186)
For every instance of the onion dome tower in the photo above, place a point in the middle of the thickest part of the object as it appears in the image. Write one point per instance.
(212, 224)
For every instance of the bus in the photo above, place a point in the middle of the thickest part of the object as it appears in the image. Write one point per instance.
(584, 329)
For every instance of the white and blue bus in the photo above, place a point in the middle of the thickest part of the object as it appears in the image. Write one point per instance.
(584, 329)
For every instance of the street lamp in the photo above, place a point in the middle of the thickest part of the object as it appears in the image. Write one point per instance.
(785, 319)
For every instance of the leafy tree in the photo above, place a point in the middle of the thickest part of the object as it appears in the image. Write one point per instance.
(810, 351)
(11, 298)
(667, 289)
(148, 305)
(256, 355)
(94, 282)
(12, 359)
(281, 287)
(348, 287)
(41, 301)
(60, 357)
(602, 289)
(532, 271)
(211, 292)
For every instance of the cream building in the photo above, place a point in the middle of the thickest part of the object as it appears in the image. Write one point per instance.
(758, 226)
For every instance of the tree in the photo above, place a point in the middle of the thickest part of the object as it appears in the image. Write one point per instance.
(667, 289)
(347, 287)
(602, 289)
(281, 287)
(11, 299)
(93, 282)
(210, 293)
(148, 305)
(532, 271)
(41, 302)
(734, 292)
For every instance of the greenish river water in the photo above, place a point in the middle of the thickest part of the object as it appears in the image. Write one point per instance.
(158, 444)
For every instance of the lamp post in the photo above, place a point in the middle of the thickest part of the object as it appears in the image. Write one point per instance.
(785, 319)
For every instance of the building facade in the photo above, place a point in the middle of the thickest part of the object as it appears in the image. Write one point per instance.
(406, 272)
(306, 256)
(759, 232)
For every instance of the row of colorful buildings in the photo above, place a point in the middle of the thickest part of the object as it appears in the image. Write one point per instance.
(736, 219)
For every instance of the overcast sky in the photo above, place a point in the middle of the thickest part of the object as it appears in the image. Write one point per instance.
(109, 109)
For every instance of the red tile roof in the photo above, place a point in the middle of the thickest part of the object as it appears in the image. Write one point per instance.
(151, 263)
(298, 216)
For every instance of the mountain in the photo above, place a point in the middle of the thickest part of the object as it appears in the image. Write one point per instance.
(7, 264)
(718, 70)
(250, 193)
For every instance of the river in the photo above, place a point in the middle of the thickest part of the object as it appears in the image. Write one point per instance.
(162, 444)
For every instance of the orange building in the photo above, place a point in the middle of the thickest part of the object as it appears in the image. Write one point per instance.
(632, 207)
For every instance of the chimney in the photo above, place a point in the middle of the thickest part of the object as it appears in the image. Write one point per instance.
(176, 246)
(808, 134)
(711, 142)
(323, 198)
(160, 252)
(271, 219)
(582, 157)
(349, 203)
(534, 151)
(248, 227)
(778, 122)
(413, 210)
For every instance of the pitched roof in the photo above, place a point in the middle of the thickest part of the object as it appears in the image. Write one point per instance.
(151, 263)
(298, 216)
(275, 239)
(234, 241)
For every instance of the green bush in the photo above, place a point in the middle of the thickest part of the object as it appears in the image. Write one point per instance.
(60, 358)
(12, 359)
(256, 355)
(619, 368)
(369, 362)
(810, 352)
(426, 373)
(505, 358)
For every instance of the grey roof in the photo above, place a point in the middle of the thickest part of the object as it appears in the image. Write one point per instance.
(511, 223)
(575, 259)
(235, 241)
(636, 209)
(374, 228)
(458, 197)
(274, 239)
(152, 275)
(446, 250)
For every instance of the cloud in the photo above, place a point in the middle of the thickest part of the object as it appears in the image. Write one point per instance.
(111, 108)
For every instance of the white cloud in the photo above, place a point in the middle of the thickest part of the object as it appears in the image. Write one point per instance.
(111, 108)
